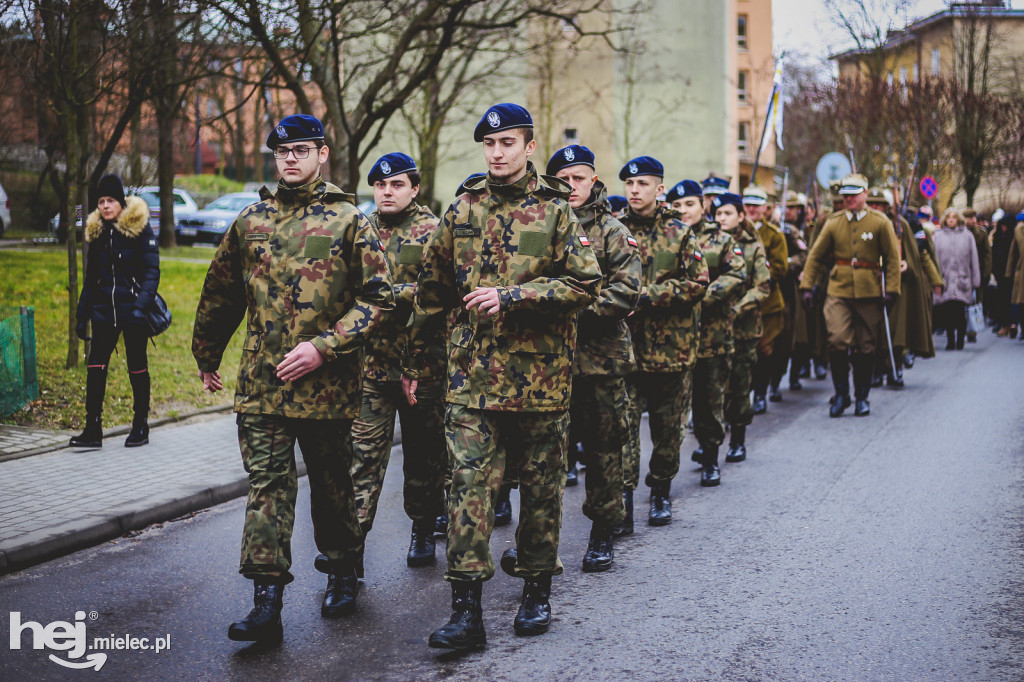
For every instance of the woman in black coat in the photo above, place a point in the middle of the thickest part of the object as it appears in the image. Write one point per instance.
(119, 287)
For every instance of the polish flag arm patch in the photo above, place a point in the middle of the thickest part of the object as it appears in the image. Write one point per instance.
(698, 256)
(584, 241)
(632, 242)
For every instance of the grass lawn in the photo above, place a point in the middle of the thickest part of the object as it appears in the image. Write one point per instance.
(39, 278)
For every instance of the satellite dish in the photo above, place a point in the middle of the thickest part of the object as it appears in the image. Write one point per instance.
(831, 168)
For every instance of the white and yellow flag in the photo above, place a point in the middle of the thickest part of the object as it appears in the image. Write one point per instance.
(776, 105)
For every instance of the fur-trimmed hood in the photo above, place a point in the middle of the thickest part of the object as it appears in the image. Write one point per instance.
(130, 223)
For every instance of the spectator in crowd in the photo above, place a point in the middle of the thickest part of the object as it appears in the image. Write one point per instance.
(958, 262)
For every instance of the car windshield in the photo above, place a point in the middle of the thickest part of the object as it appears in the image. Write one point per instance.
(230, 203)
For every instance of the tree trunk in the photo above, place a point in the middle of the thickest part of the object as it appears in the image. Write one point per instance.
(165, 174)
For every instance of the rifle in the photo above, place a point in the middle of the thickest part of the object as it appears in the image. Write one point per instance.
(849, 146)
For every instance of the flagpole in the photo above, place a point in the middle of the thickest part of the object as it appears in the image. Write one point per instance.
(760, 145)
(772, 111)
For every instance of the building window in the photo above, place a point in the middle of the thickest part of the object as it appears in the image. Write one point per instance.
(742, 79)
(936, 61)
(743, 139)
(741, 31)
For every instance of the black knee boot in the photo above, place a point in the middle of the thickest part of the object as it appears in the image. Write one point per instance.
(863, 366)
(95, 389)
(465, 629)
(140, 405)
(839, 362)
(263, 624)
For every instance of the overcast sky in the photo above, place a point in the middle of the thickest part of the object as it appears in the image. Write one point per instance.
(802, 26)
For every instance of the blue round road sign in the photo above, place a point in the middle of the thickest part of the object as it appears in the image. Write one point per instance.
(929, 187)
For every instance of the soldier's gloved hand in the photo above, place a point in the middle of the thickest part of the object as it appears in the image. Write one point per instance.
(807, 298)
(890, 300)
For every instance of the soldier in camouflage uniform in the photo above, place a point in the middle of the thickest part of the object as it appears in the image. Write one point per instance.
(306, 270)
(747, 327)
(405, 228)
(604, 352)
(727, 274)
(664, 327)
(512, 268)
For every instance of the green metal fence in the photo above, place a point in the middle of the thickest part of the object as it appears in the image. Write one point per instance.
(19, 382)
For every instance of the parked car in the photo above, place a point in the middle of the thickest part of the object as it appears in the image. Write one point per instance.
(367, 207)
(209, 225)
(5, 211)
(184, 204)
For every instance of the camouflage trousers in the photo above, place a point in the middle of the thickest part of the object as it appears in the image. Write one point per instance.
(267, 443)
(666, 397)
(598, 414)
(424, 454)
(738, 410)
(710, 382)
(480, 443)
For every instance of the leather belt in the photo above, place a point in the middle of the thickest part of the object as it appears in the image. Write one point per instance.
(854, 263)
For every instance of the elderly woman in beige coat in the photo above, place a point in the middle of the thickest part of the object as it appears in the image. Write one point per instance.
(957, 254)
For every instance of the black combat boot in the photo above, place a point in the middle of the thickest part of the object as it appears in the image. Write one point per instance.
(877, 371)
(140, 397)
(441, 526)
(95, 388)
(908, 360)
(709, 474)
(600, 551)
(465, 629)
(697, 455)
(797, 370)
(774, 394)
(894, 377)
(759, 404)
(263, 624)
(508, 561)
(503, 507)
(820, 371)
(323, 564)
(863, 365)
(534, 615)
(737, 443)
(840, 362)
(421, 545)
(572, 477)
(340, 596)
(661, 505)
(626, 527)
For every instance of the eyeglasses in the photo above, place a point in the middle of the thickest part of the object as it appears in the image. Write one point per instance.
(299, 152)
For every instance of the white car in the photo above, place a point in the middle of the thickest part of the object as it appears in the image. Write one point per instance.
(5, 211)
(184, 204)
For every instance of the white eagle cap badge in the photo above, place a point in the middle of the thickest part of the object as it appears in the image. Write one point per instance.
(569, 154)
(494, 119)
(633, 169)
(385, 167)
(282, 133)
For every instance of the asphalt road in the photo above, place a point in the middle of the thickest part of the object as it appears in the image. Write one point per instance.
(882, 548)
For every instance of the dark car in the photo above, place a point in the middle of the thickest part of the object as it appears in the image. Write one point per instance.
(209, 225)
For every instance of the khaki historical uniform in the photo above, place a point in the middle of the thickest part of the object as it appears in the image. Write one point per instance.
(303, 264)
(604, 356)
(509, 375)
(910, 319)
(747, 327)
(856, 244)
(727, 274)
(425, 455)
(666, 334)
(773, 308)
(1015, 266)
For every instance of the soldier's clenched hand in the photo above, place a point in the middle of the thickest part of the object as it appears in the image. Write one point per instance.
(487, 299)
(211, 381)
(299, 361)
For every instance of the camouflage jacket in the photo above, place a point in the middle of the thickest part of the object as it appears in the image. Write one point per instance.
(665, 324)
(303, 264)
(404, 240)
(855, 245)
(603, 344)
(747, 310)
(727, 272)
(778, 256)
(524, 240)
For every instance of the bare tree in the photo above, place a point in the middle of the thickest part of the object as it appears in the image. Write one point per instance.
(869, 24)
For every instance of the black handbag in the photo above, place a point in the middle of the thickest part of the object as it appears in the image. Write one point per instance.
(158, 318)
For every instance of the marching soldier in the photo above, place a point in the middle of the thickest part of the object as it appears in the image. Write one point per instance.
(712, 186)
(857, 240)
(665, 325)
(604, 352)
(792, 344)
(405, 227)
(773, 308)
(511, 267)
(306, 270)
(747, 328)
(727, 275)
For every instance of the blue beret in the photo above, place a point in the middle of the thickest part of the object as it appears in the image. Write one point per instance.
(296, 128)
(573, 155)
(470, 177)
(618, 202)
(1020, 217)
(715, 185)
(502, 117)
(642, 165)
(390, 165)
(728, 199)
(686, 188)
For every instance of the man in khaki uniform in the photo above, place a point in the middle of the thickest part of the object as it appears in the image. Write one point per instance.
(984, 258)
(858, 239)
